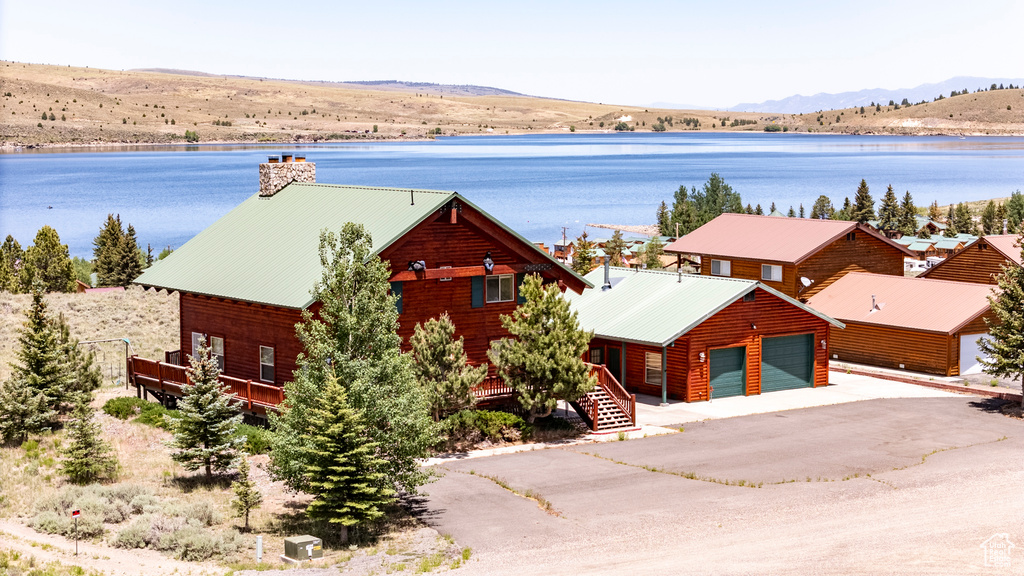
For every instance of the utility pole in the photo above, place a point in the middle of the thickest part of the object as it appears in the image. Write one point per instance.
(565, 250)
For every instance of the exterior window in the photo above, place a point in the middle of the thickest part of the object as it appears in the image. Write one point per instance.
(982, 246)
(197, 337)
(771, 272)
(596, 356)
(217, 351)
(721, 268)
(652, 368)
(851, 236)
(501, 288)
(266, 364)
(749, 296)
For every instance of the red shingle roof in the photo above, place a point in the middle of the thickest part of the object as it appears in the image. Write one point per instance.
(917, 303)
(752, 237)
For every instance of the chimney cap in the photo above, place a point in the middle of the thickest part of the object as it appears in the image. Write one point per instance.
(272, 159)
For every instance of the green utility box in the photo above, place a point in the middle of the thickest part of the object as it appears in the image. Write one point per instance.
(303, 547)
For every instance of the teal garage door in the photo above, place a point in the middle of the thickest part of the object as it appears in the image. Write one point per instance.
(787, 362)
(728, 372)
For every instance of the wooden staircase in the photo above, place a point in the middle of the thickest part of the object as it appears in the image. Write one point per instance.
(608, 407)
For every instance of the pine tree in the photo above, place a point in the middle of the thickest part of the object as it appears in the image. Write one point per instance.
(772, 209)
(951, 229)
(117, 254)
(844, 213)
(908, 216)
(1003, 351)
(204, 431)
(105, 242)
(86, 375)
(934, 212)
(924, 233)
(964, 221)
(23, 411)
(889, 212)
(863, 204)
(41, 361)
(615, 248)
(1014, 212)
(822, 209)
(48, 260)
(354, 338)
(343, 471)
(652, 253)
(543, 359)
(583, 257)
(758, 210)
(664, 219)
(441, 368)
(802, 213)
(247, 495)
(11, 259)
(129, 259)
(88, 457)
(791, 213)
(988, 219)
(749, 209)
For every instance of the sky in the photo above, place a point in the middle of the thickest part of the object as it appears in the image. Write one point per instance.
(713, 54)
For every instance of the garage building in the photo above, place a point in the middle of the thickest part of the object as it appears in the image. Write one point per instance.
(694, 338)
(916, 324)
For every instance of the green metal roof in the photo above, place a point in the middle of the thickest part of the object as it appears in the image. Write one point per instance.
(656, 308)
(266, 250)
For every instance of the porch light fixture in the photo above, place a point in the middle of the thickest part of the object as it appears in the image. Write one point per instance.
(822, 344)
(488, 263)
(701, 356)
(417, 265)
(753, 326)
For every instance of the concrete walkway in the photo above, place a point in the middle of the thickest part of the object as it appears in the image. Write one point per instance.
(655, 420)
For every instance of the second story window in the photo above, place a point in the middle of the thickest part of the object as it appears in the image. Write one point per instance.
(721, 268)
(771, 272)
(501, 288)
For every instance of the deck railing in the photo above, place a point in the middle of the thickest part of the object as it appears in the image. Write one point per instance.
(624, 400)
(154, 375)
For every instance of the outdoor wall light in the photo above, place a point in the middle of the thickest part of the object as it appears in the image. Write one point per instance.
(753, 326)
(701, 356)
(822, 344)
(488, 263)
(417, 266)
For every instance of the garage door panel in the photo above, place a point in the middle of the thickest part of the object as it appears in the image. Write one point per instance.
(970, 350)
(787, 362)
(728, 372)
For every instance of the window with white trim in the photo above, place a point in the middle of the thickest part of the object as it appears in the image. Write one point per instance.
(771, 272)
(652, 368)
(597, 355)
(721, 268)
(501, 288)
(447, 279)
(217, 351)
(266, 364)
(197, 339)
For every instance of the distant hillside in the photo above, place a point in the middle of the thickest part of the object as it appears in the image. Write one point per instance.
(925, 92)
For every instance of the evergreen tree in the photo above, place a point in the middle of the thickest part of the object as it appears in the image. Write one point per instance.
(104, 243)
(86, 375)
(1014, 212)
(758, 210)
(749, 209)
(693, 208)
(615, 248)
(129, 259)
(951, 229)
(116, 252)
(204, 431)
(924, 233)
(908, 216)
(11, 259)
(652, 253)
(889, 212)
(583, 258)
(822, 209)
(88, 457)
(664, 219)
(354, 338)
(964, 221)
(772, 209)
(863, 204)
(802, 213)
(342, 470)
(844, 213)
(48, 260)
(41, 359)
(791, 213)
(543, 359)
(988, 220)
(1003, 350)
(441, 368)
(934, 212)
(247, 495)
(23, 411)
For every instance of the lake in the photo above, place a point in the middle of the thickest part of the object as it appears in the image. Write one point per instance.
(535, 184)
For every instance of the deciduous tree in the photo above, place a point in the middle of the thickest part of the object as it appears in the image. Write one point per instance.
(543, 358)
(441, 367)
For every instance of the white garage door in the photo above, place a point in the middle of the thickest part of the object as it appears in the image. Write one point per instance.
(970, 349)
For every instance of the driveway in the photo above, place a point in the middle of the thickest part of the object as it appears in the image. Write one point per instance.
(885, 486)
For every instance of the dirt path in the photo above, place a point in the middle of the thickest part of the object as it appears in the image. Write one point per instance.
(110, 561)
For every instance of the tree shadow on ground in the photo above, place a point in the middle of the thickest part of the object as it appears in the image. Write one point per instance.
(990, 405)
(189, 484)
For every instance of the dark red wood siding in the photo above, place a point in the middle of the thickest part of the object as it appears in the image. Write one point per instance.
(972, 264)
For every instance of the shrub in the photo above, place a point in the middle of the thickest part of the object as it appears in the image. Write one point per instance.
(124, 407)
(257, 439)
(621, 126)
(191, 136)
(773, 128)
(143, 503)
(154, 416)
(471, 426)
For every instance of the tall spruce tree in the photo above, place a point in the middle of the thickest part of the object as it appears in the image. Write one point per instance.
(802, 213)
(342, 467)
(934, 212)
(965, 223)
(87, 376)
(247, 496)
(988, 219)
(615, 248)
(41, 360)
(88, 457)
(208, 418)
(542, 361)
(1003, 349)
(116, 254)
(863, 204)
(441, 367)
(907, 225)
(889, 212)
(11, 259)
(822, 209)
(664, 219)
(23, 411)
(48, 261)
(758, 210)
(791, 213)
(583, 257)
(652, 253)
(951, 230)
(354, 338)
(1015, 212)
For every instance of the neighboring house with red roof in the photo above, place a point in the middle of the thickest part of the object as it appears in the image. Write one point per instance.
(916, 324)
(979, 262)
(782, 252)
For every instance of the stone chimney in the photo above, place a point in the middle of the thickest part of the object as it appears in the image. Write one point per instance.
(277, 173)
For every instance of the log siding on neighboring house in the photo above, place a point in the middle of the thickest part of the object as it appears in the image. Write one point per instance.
(980, 262)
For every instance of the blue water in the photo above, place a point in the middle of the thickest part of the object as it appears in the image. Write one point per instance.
(535, 184)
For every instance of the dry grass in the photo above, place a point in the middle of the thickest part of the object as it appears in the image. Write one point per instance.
(147, 318)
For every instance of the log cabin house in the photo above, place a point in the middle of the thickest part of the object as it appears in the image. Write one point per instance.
(980, 261)
(796, 256)
(694, 338)
(916, 324)
(246, 279)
